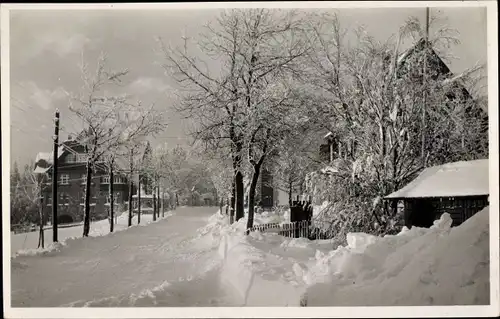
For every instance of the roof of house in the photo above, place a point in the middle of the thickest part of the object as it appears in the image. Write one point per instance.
(458, 179)
(44, 160)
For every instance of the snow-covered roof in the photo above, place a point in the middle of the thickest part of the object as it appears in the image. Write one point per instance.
(46, 156)
(40, 170)
(465, 178)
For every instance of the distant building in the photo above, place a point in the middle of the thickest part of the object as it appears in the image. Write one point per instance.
(460, 189)
(71, 179)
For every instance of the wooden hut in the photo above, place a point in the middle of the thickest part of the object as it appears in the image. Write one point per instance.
(460, 189)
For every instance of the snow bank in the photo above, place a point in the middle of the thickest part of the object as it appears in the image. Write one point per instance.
(259, 279)
(418, 267)
(265, 269)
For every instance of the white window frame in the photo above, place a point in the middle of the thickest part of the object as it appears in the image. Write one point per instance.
(70, 158)
(64, 179)
(105, 179)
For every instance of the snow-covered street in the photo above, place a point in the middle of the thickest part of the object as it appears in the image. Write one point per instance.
(167, 263)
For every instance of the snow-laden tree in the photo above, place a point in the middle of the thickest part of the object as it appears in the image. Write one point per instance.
(253, 48)
(111, 120)
(219, 169)
(297, 155)
(372, 99)
(33, 191)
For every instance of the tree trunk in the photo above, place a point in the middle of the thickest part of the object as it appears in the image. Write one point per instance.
(220, 206)
(233, 201)
(86, 215)
(163, 203)
(130, 194)
(41, 241)
(139, 201)
(130, 189)
(154, 203)
(251, 195)
(240, 196)
(158, 198)
(290, 199)
(111, 200)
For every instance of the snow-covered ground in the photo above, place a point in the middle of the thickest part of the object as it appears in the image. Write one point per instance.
(195, 258)
(26, 243)
(167, 263)
(436, 266)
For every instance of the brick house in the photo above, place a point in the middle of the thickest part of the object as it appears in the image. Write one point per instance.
(71, 181)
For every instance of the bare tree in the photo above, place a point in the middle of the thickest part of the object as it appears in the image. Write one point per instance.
(33, 191)
(111, 121)
(253, 46)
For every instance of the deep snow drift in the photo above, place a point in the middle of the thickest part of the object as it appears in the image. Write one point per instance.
(418, 267)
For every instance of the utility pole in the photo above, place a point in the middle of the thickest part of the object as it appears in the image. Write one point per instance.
(154, 198)
(424, 102)
(139, 200)
(54, 177)
(111, 197)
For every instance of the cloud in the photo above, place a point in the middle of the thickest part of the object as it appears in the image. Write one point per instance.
(64, 46)
(44, 98)
(147, 84)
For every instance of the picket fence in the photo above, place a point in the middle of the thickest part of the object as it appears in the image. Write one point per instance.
(295, 229)
(292, 229)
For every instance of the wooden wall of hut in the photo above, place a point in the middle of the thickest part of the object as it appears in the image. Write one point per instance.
(422, 212)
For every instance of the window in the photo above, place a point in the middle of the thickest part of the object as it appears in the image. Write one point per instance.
(117, 179)
(105, 179)
(84, 179)
(49, 200)
(64, 179)
(117, 198)
(70, 158)
(63, 197)
(81, 158)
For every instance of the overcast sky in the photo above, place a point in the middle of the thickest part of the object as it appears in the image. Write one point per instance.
(46, 47)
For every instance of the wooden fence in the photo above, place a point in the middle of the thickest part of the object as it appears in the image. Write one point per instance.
(293, 229)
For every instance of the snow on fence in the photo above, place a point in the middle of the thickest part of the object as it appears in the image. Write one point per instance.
(292, 229)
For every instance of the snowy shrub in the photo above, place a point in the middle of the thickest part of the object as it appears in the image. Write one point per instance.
(354, 197)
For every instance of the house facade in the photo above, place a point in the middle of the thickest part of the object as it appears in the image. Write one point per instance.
(71, 181)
